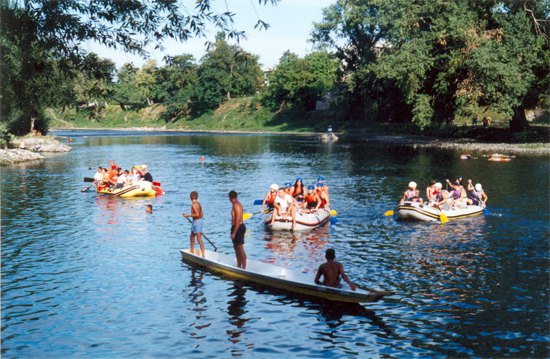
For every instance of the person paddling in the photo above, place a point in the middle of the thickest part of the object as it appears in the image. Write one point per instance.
(238, 229)
(331, 271)
(196, 226)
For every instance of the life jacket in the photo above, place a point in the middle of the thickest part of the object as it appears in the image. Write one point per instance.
(271, 198)
(310, 198)
(455, 194)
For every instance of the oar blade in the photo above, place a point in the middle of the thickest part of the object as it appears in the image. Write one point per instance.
(246, 216)
(388, 213)
(88, 179)
(258, 202)
(443, 218)
(333, 213)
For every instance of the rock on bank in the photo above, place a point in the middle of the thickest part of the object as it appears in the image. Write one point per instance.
(29, 148)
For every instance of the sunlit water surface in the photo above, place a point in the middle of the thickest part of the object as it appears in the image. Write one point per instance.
(93, 276)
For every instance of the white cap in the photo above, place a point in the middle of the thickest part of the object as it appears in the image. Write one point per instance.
(412, 184)
(144, 167)
(478, 187)
(438, 185)
(274, 187)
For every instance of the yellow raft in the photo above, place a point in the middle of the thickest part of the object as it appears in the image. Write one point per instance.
(140, 189)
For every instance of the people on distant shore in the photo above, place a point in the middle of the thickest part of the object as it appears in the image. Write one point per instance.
(331, 272)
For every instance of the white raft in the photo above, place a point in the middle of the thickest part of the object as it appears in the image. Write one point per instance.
(279, 277)
(304, 220)
(416, 211)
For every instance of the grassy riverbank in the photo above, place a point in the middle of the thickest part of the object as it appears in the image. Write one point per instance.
(246, 115)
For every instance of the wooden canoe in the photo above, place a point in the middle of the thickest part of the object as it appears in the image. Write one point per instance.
(279, 277)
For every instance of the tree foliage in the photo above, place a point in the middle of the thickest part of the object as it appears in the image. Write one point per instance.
(301, 82)
(446, 59)
(43, 37)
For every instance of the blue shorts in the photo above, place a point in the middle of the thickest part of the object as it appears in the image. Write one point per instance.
(196, 227)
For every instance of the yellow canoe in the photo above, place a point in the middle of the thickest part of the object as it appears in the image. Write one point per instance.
(140, 189)
(279, 277)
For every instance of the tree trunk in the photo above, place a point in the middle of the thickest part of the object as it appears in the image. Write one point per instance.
(32, 124)
(519, 121)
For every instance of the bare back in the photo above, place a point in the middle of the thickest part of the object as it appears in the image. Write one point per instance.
(331, 273)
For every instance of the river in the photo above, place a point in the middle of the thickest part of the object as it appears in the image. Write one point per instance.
(93, 276)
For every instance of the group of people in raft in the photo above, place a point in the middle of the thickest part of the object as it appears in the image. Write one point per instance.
(285, 201)
(115, 177)
(438, 197)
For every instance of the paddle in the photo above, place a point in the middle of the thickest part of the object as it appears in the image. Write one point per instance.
(258, 202)
(87, 187)
(388, 213)
(88, 179)
(379, 292)
(248, 215)
(205, 237)
(443, 217)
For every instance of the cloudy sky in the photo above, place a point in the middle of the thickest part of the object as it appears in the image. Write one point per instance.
(291, 23)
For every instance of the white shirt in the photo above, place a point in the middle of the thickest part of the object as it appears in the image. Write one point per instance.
(121, 179)
(284, 202)
(98, 176)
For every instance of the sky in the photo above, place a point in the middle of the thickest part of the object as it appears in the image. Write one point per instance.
(291, 22)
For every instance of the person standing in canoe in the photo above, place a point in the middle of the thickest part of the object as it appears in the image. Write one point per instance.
(238, 229)
(196, 226)
(331, 271)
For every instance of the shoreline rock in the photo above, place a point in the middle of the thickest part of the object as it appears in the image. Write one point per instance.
(17, 155)
(30, 148)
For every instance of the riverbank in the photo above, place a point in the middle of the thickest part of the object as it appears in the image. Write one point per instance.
(30, 149)
(418, 141)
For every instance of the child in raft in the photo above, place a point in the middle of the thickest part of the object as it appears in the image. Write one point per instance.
(411, 194)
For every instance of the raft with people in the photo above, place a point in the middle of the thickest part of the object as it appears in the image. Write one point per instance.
(441, 205)
(304, 220)
(279, 277)
(113, 180)
(295, 207)
(420, 212)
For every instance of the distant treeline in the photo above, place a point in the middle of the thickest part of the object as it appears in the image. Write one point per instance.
(429, 63)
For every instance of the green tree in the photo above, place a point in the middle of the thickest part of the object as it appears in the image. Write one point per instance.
(225, 71)
(444, 59)
(125, 91)
(301, 82)
(35, 31)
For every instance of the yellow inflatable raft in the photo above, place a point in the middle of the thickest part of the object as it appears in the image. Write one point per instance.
(140, 189)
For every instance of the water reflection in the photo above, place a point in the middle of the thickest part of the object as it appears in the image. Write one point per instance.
(236, 311)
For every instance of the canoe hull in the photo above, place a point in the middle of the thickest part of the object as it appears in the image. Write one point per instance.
(278, 277)
(140, 189)
(304, 221)
(417, 212)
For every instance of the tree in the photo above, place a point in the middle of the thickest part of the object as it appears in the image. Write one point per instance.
(225, 71)
(445, 59)
(301, 82)
(126, 92)
(36, 31)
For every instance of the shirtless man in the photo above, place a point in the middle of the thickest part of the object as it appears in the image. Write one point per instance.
(238, 229)
(332, 271)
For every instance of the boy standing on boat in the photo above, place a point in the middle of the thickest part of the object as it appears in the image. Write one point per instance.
(238, 229)
(196, 226)
(332, 271)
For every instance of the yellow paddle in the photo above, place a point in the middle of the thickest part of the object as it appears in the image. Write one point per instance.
(388, 213)
(248, 215)
(443, 217)
(333, 213)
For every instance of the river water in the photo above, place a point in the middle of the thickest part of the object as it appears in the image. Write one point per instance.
(92, 276)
